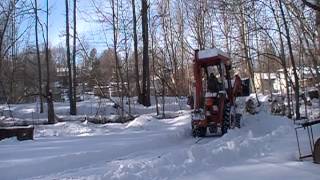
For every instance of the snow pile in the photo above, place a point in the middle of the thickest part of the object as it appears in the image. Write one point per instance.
(253, 141)
(66, 129)
(142, 121)
(63, 129)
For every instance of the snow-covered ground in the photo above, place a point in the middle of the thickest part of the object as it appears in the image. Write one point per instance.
(150, 148)
(91, 106)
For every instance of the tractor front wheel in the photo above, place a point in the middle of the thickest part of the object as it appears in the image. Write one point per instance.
(199, 132)
(238, 120)
(202, 131)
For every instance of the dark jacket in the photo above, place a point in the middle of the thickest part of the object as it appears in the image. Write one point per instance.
(213, 84)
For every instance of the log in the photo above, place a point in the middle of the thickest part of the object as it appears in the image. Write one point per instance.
(21, 132)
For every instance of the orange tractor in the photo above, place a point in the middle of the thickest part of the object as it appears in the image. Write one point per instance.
(215, 93)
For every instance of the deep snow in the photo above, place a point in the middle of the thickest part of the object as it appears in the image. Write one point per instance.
(149, 148)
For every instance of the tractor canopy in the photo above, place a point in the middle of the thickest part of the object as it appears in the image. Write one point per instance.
(211, 57)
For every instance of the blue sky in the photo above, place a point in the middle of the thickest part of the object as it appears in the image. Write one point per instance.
(85, 25)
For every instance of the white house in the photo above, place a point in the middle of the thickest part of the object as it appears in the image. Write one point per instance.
(275, 82)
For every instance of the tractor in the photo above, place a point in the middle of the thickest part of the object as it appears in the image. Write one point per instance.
(215, 92)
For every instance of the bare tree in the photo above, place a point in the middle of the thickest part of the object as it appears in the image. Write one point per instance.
(135, 46)
(51, 115)
(38, 54)
(312, 5)
(146, 74)
(74, 51)
(296, 78)
(244, 33)
(115, 27)
(72, 108)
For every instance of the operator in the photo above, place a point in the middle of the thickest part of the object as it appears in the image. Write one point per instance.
(213, 84)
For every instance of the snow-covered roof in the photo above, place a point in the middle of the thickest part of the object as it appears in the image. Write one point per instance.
(207, 53)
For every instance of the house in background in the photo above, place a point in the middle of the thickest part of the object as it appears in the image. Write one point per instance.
(275, 82)
(266, 82)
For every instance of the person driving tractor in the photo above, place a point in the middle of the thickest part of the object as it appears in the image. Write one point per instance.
(213, 84)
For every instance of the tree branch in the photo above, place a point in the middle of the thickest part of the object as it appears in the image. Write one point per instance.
(311, 5)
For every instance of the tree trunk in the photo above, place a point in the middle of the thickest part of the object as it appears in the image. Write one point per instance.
(146, 74)
(283, 62)
(38, 56)
(184, 81)
(51, 119)
(135, 44)
(70, 94)
(13, 32)
(244, 41)
(119, 78)
(152, 32)
(296, 78)
(315, 63)
(128, 93)
(74, 51)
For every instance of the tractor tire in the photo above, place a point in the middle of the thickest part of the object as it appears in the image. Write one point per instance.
(202, 131)
(238, 120)
(226, 119)
(194, 132)
(199, 132)
(316, 152)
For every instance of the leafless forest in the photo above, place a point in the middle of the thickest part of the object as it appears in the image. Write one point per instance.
(149, 49)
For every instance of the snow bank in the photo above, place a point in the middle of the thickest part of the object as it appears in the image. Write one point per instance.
(64, 129)
(167, 130)
(92, 106)
(150, 148)
(253, 141)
